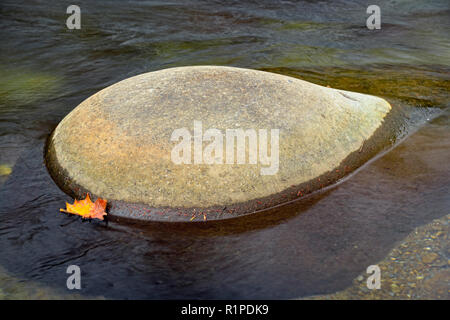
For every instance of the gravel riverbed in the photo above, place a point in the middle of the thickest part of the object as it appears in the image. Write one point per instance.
(417, 268)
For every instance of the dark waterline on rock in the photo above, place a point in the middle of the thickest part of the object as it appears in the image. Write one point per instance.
(310, 247)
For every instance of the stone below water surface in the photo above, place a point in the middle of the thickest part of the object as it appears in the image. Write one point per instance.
(155, 145)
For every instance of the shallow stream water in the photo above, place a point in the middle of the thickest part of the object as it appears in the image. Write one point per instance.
(313, 246)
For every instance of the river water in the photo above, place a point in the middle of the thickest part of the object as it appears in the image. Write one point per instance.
(310, 247)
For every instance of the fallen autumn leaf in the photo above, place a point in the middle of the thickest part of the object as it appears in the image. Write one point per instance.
(86, 208)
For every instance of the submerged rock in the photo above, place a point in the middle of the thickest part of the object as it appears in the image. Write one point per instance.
(19, 86)
(5, 170)
(131, 142)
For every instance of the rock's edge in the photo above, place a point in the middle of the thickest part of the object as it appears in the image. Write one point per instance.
(383, 138)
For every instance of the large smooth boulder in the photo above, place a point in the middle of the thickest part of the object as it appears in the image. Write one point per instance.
(118, 144)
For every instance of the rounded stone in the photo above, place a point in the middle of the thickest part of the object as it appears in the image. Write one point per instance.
(118, 143)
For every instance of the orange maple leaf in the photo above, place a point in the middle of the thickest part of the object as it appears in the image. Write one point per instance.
(86, 208)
